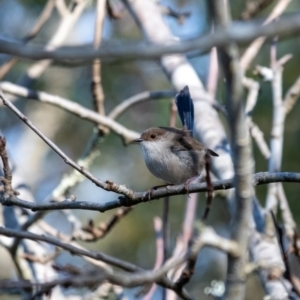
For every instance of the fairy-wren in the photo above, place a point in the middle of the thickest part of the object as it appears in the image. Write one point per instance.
(171, 153)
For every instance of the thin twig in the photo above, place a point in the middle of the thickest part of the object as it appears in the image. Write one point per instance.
(41, 260)
(139, 98)
(65, 185)
(189, 268)
(72, 249)
(292, 96)
(288, 271)
(90, 279)
(276, 142)
(166, 228)
(165, 282)
(42, 19)
(286, 214)
(93, 233)
(255, 46)
(207, 238)
(253, 8)
(66, 24)
(256, 133)
(78, 110)
(159, 261)
(87, 114)
(97, 88)
(184, 241)
(108, 185)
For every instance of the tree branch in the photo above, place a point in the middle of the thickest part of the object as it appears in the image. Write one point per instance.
(140, 197)
(242, 156)
(97, 88)
(255, 46)
(74, 108)
(207, 238)
(42, 19)
(239, 33)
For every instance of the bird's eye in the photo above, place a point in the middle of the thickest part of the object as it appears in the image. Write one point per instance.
(153, 136)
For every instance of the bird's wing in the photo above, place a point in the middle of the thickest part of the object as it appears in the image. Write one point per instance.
(186, 143)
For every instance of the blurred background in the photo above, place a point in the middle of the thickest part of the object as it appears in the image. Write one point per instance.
(133, 239)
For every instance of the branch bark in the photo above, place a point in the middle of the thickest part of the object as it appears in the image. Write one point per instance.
(242, 157)
(240, 33)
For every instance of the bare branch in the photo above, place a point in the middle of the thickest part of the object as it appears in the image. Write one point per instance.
(242, 156)
(65, 26)
(42, 19)
(207, 238)
(62, 8)
(78, 110)
(292, 96)
(276, 143)
(91, 233)
(135, 198)
(97, 88)
(74, 250)
(108, 185)
(239, 33)
(139, 98)
(160, 257)
(254, 7)
(288, 270)
(257, 134)
(287, 216)
(255, 46)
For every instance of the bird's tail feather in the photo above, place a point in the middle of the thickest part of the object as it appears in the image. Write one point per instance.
(185, 108)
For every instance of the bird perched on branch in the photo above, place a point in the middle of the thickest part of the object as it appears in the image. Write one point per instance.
(172, 154)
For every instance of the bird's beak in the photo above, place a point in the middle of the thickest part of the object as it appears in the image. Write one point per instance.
(137, 140)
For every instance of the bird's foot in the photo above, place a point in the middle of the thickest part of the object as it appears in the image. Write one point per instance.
(150, 192)
(186, 185)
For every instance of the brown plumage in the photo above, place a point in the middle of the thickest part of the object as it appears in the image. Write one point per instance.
(172, 154)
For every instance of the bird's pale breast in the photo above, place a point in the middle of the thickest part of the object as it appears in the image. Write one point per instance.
(171, 165)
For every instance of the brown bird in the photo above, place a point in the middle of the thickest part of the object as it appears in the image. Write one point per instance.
(171, 153)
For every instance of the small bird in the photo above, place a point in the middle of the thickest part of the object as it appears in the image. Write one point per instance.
(172, 154)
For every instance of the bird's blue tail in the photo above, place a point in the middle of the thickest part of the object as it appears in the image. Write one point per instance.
(185, 108)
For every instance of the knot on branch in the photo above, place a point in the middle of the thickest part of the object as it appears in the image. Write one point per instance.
(120, 189)
(125, 201)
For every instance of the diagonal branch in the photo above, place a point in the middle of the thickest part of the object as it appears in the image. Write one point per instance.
(78, 110)
(207, 238)
(43, 18)
(255, 46)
